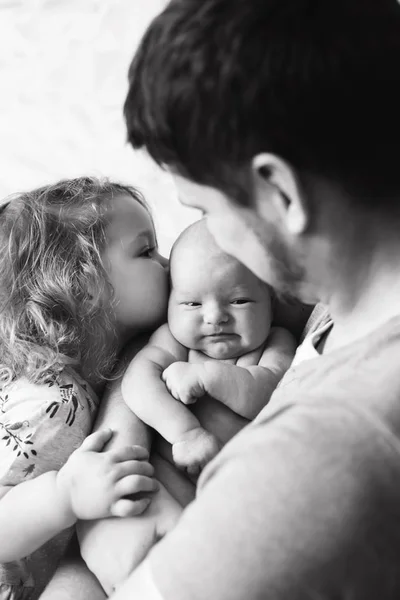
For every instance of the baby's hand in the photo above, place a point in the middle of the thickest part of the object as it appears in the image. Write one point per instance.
(183, 382)
(94, 483)
(195, 450)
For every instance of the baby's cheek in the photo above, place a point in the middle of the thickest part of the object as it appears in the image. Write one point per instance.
(183, 328)
(258, 327)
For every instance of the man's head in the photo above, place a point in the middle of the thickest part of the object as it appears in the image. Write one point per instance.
(216, 304)
(289, 108)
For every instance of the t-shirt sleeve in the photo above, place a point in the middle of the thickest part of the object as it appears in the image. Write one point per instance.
(282, 512)
(318, 318)
(41, 425)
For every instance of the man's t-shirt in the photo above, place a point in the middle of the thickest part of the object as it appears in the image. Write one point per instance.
(304, 503)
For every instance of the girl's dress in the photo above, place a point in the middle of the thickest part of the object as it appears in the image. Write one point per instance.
(40, 426)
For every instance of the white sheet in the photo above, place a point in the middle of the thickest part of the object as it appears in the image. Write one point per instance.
(63, 80)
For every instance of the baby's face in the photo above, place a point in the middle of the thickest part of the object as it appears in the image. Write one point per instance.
(217, 305)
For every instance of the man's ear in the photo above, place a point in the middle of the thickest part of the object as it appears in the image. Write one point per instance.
(279, 180)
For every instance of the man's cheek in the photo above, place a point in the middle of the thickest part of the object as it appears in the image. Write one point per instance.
(227, 232)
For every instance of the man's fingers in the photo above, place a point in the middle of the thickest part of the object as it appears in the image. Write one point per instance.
(132, 467)
(131, 484)
(129, 453)
(129, 508)
(96, 441)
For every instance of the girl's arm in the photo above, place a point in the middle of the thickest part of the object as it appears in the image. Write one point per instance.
(90, 485)
(50, 475)
(32, 513)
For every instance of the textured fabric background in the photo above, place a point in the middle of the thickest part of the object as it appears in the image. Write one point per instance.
(63, 80)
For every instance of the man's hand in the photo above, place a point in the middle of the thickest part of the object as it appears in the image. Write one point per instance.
(195, 450)
(94, 483)
(183, 382)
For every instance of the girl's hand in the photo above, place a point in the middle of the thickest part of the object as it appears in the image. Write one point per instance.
(94, 484)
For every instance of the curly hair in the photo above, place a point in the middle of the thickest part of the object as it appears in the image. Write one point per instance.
(56, 300)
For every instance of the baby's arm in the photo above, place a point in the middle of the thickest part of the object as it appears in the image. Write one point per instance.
(146, 394)
(246, 389)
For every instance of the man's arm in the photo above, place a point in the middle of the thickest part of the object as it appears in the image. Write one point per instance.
(278, 516)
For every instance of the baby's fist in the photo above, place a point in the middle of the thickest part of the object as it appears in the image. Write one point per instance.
(195, 450)
(183, 382)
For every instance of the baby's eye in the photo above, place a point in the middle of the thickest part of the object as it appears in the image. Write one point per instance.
(191, 304)
(240, 301)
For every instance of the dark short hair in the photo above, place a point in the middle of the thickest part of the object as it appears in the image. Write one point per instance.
(214, 82)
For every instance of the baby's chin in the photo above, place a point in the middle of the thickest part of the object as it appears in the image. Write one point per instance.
(222, 350)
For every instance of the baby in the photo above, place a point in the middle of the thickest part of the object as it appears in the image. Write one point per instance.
(218, 349)
(218, 342)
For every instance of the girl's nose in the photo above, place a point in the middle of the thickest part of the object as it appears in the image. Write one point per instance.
(164, 262)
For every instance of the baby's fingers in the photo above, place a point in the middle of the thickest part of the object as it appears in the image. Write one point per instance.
(129, 508)
(132, 484)
(188, 399)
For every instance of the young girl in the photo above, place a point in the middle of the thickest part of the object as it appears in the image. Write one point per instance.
(79, 274)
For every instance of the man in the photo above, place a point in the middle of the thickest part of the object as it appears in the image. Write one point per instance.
(280, 120)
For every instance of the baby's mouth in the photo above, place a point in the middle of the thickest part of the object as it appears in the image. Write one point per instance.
(219, 335)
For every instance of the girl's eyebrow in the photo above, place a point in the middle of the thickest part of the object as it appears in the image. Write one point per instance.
(146, 234)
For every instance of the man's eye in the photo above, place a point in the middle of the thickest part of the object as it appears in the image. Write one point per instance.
(240, 301)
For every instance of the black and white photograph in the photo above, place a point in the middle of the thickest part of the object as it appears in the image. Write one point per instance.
(199, 299)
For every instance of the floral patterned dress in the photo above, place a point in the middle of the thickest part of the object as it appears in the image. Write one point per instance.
(40, 426)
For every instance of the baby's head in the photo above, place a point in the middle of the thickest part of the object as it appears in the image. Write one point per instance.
(78, 266)
(216, 304)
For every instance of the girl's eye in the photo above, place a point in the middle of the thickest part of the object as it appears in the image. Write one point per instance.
(240, 301)
(147, 252)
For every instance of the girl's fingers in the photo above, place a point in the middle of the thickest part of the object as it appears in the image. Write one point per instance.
(132, 484)
(129, 508)
(96, 441)
(129, 453)
(134, 467)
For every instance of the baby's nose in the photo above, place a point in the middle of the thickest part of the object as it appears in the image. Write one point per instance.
(215, 314)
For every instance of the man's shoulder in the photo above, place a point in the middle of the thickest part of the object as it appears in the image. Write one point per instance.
(319, 317)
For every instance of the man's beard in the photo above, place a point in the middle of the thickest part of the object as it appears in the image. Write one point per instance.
(283, 269)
